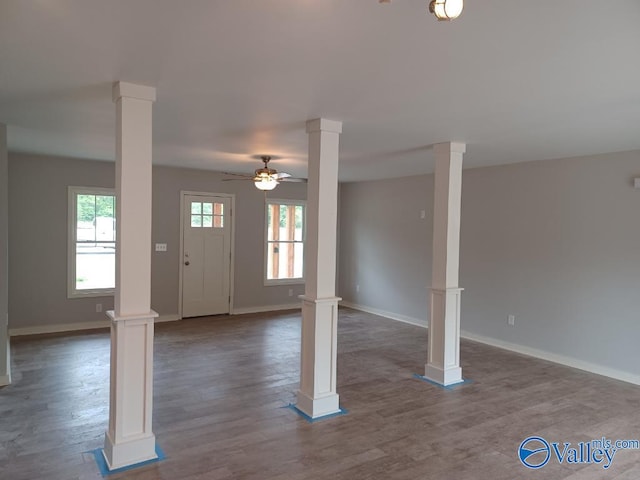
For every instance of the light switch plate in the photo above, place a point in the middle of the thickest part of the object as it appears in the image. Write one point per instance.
(161, 247)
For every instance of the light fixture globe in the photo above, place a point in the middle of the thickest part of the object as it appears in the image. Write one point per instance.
(446, 9)
(265, 182)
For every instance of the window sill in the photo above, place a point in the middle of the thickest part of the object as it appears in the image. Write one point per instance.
(91, 294)
(284, 281)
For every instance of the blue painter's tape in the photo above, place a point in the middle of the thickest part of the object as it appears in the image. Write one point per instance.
(444, 387)
(104, 468)
(292, 406)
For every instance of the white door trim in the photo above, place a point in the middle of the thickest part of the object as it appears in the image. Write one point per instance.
(232, 197)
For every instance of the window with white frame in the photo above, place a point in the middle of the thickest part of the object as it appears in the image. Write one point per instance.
(92, 242)
(285, 236)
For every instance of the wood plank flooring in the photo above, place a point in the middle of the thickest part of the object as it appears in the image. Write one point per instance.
(221, 384)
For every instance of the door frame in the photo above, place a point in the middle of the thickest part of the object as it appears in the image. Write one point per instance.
(232, 197)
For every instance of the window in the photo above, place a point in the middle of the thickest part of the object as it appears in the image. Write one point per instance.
(285, 235)
(92, 242)
(207, 215)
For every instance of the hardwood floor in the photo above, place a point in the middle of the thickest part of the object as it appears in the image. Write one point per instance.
(221, 384)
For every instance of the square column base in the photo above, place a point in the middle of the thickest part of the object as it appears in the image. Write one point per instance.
(317, 394)
(318, 407)
(444, 377)
(129, 439)
(131, 452)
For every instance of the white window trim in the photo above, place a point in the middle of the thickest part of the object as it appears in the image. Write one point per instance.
(283, 281)
(71, 243)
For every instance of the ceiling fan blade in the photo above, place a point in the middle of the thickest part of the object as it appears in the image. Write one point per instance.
(294, 180)
(243, 175)
(235, 179)
(281, 175)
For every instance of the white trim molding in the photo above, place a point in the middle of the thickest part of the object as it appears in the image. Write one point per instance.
(554, 357)
(512, 347)
(74, 327)
(382, 313)
(266, 308)
(58, 328)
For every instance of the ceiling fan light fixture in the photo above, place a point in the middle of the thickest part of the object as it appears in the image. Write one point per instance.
(446, 9)
(265, 182)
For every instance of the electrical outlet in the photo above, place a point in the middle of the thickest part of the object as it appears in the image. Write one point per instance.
(357, 288)
(98, 307)
(511, 320)
(423, 214)
(291, 292)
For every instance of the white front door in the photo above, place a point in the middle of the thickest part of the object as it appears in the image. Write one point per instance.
(206, 255)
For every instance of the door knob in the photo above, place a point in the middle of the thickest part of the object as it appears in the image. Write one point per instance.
(187, 262)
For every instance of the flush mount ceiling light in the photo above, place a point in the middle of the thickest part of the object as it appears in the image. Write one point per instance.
(442, 9)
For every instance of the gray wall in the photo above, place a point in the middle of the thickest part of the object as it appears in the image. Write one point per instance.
(385, 247)
(555, 243)
(4, 259)
(38, 238)
(38, 201)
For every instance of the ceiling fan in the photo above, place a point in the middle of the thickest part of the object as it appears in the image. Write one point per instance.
(265, 178)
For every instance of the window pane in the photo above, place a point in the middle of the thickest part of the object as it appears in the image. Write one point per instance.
(207, 221)
(299, 223)
(218, 208)
(85, 231)
(218, 221)
(95, 266)
(288, 232)
(85, 217)
(207, 208)
(284, 260)
(196, 221)
(86, 207)
(196, 207)
(273, 215)
(105, 229)
(273, 260)
(104, 206)
(286, 266)
(298, 260)
(283, 216)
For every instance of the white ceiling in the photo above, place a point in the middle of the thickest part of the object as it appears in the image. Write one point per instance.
(516, 80)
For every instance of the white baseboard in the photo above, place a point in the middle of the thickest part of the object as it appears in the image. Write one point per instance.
(382, 313)
(513, 347)
(58, 328)
(73, 327)
(266, 308)
(168, 318)
(554, 357)
(5, 380)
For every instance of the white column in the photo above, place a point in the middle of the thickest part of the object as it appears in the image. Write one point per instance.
(317, 395)
(5, 364)
(129, 439)
(443, 364)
